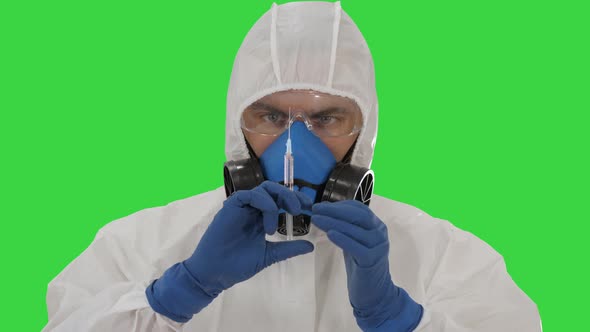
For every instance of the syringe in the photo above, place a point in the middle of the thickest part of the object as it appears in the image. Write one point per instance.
(288, 179)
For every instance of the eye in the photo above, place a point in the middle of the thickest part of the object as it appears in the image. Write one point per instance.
(273, 117)
(325, 119)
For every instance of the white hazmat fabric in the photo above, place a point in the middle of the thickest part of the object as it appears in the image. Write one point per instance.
(303, 45)
(461, 282)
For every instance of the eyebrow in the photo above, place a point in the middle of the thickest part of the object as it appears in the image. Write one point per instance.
(328, 110)
(266, 107)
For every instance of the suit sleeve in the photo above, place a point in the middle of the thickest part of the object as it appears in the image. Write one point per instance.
(471, 290)
(104, 290)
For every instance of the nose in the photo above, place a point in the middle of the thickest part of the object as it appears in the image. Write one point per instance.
(300, 116)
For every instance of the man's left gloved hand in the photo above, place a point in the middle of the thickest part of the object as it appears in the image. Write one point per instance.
(379, 305)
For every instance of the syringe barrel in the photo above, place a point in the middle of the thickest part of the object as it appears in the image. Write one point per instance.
(288, 176)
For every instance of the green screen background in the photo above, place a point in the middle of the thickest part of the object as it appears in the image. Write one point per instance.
(110, 107)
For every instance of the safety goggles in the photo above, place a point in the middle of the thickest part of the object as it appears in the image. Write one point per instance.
(324, 114)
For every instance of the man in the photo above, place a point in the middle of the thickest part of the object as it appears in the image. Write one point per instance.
(302, 78)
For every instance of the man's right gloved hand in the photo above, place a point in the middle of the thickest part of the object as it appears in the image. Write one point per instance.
(233, 249)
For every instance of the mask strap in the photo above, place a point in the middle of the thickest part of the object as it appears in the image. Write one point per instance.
(302, 183)
(250, 150)
(348, 156)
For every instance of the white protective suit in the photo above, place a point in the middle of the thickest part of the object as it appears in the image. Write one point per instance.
(461, 282)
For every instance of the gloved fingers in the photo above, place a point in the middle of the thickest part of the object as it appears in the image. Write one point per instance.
(363, 236)
(306, 202)
(283, 197)
(261, 201)
(279, 251)
(269, 217)
(363, 256)
(348, 245)
(376, 254)
(359, 215)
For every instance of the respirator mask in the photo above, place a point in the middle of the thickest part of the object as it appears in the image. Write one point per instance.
(296, 121)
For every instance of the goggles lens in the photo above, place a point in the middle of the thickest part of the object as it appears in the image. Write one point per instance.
(323, 114)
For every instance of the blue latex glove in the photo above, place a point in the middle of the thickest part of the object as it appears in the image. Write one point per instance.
(233, 249)
(379, 305)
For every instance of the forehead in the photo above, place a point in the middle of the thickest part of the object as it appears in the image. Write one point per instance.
(307, 100)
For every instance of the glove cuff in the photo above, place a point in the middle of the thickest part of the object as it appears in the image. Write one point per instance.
(405, 319)
(178, 295)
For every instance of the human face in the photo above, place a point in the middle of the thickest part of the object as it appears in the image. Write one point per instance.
(307, 101)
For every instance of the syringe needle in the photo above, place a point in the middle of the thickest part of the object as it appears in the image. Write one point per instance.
(288, 178)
